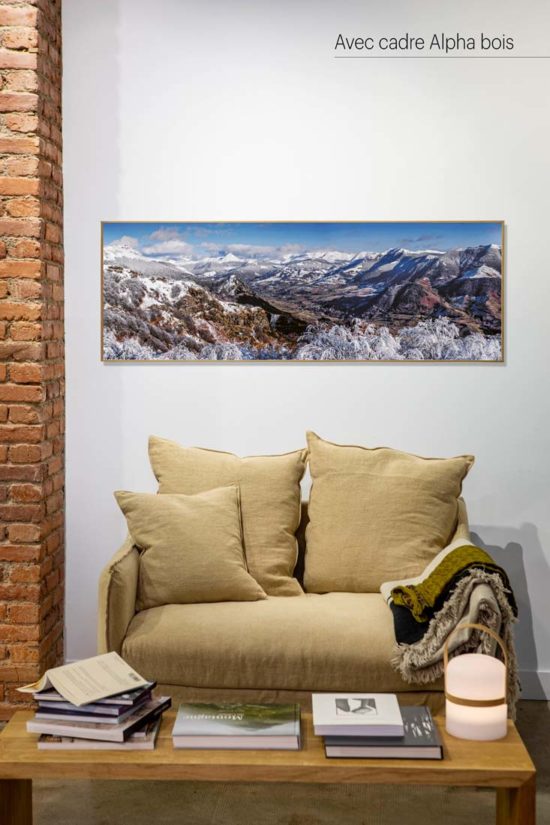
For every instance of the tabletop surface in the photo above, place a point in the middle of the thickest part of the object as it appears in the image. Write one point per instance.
(504, 763)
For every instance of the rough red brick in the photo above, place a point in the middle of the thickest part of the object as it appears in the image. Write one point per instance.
(20, 392)
(18, 101)
(25, 248)
(13, 633)
(22, 331)
(21, 350)
(20, 269)
(15, 166)
(17, 60)
(20, 512)
(23, 16)
(24, 613)
(20, 472)
(19, 552)
(14, 310)
(24, 653)
(23, 414)
(23, 207)
(29, 227)
(22, 38)
(23, 532)
(31, 434)
(25, 493)
(25, 453)
(19, 592)
(25, 289)
(26, 373)
(19, 145)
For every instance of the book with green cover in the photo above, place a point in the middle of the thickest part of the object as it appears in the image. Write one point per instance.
(237, 726)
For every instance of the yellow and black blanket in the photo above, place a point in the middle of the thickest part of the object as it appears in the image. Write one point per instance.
(461, 584)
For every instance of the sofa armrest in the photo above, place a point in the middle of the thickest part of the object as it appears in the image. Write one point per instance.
(462, 527)
(117, 597)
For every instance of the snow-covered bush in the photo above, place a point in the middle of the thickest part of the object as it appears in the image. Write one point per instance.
(428, 340)
(437, 340)
(128, 350)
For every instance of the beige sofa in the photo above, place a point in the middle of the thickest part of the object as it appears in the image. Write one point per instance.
(276, 649)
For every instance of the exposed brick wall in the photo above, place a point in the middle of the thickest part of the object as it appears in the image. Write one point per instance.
(31, 345)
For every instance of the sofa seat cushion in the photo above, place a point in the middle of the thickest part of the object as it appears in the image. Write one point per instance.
(331, 641)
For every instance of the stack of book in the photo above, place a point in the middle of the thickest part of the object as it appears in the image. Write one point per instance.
(130, 721)
(237, 726)
(363, 725)
(96, 703)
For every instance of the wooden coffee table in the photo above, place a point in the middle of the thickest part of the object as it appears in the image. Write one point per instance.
(504, 765)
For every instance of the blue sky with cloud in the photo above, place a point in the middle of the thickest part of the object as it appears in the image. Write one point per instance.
(264, 239)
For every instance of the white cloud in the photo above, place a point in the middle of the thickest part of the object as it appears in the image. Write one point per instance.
(128, 240)
(246, 250)
(173, 246)
(165, 233)
(250, 249)
(166, 241)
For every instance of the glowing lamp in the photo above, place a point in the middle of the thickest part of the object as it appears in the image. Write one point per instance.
(475, 692)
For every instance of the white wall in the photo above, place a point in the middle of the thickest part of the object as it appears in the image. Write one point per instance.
(190, 110)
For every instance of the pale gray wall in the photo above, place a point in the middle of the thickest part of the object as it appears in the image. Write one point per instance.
(190, 110)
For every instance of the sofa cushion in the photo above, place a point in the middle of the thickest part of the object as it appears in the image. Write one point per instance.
(376, 514)
(270, 501)
(336, 641)
(192, 547)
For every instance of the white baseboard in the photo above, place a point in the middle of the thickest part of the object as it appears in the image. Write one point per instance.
(535, 684)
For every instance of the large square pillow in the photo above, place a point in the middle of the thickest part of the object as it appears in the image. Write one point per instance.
(270, 501)
(192, 547)
(376, 514)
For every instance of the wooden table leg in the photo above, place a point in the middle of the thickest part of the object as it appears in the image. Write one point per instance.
(16, 801)
(516, 806)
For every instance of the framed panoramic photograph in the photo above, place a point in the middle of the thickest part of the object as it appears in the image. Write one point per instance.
(302, 291)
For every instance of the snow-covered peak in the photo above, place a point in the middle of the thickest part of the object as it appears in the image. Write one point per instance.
(118, 249)
(331, 255)
(482, 271)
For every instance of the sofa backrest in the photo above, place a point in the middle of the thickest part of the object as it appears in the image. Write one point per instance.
(462, 531)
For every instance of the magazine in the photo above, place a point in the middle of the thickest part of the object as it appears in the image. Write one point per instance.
(84, 682)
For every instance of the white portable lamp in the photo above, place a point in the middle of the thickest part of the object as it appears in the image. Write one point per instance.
(475, 691)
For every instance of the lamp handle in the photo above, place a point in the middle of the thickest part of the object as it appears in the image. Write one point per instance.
(483, 629)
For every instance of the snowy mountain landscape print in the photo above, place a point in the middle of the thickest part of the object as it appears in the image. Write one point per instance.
(302, 291)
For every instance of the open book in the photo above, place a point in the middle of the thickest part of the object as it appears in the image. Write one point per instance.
(89, 680)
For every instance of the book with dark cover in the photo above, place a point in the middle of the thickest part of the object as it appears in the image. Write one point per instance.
(108, 733)
(113, 712)
(420, 740)
(130, 698)
(237, 726)
(356, 714)
(88, 713)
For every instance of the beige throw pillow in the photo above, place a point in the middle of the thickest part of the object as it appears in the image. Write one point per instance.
(192, 547)
(270, 501)
(376, 514)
